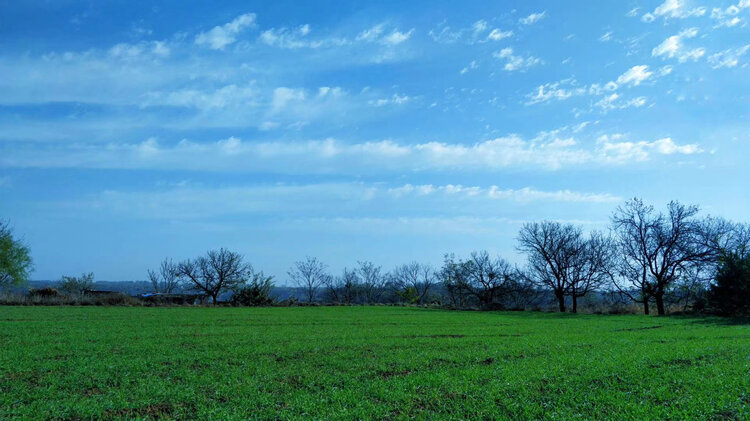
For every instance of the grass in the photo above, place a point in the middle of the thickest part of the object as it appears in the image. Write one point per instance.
(367, 362)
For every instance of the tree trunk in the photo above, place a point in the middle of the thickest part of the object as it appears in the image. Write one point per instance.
(561, 302)
(659, 304)
(214, 297)
(575, 304)
(645, 306)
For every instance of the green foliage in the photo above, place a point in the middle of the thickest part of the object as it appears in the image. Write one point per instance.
(15, 259)
(77, 285)
(730, 294)
(257, 292)
(366, 363)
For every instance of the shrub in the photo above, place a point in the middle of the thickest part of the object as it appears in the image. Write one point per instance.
(255, 293)
(730, 293)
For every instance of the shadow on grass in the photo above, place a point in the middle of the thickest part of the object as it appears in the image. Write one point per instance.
(714, 320)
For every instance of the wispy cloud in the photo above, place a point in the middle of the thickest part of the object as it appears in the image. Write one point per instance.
(676, 9)
(219, 37)
(515, 62)
(331, 156)
(673, 47)
(533, 18)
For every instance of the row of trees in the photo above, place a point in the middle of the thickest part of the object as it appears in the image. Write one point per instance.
(647, 256)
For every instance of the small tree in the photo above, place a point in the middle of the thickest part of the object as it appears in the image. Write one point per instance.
(372, 281)
(77, 285)
(218, 271)
(411, 282)
(15, 259)
(344, 288)
(256, 292)
(730, 293)
(309, 274)
(480, 277)
(167, 279)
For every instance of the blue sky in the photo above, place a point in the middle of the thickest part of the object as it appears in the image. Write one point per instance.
(387, 131)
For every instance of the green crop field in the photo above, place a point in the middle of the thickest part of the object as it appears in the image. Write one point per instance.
(367, 362)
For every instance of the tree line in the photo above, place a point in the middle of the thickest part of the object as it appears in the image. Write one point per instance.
(646, 256)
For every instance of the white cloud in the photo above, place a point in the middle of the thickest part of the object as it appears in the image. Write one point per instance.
(619, 152)
(606, 36)
(549, 151)
(396, 37)
(673, 47)
(378, 34)
(728, 58)
(673, 9)
(224, 97)
(634, 76)
(394, 99)
(513, 62)
(472, 66)
(612, 101)
(186, 201)
(497, 34)
(533, 18)
(221, 36)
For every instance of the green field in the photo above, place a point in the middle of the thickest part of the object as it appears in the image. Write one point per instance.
(365, 362)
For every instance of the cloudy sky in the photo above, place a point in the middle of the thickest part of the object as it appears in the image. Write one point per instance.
(390, 131)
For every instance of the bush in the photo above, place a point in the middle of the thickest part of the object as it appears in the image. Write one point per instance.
(255, 293)
(730, 293)
(46, 292)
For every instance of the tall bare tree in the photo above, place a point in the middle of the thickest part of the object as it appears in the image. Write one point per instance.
(561, 258)
(218, 271)
(167, 279)
(412, 281)
(309, 274)
(657, 249)
(550, 248)
(591, 265)
(372, 281)
(480, 277)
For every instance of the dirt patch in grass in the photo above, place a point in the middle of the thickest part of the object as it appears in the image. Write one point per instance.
(431, 336)
(394, 373)
(157, 410)
(633, 329)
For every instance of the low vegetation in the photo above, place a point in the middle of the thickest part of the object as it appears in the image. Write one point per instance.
(367, 362)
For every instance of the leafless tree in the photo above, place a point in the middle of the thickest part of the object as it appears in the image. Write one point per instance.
(217, 271)
(658, 248)
(372, 281)
(309, 274)
(344, 288)
(561, 258)
(550, 248)
(480, 277)
(591, 265)
(167, 279)
(412, 281)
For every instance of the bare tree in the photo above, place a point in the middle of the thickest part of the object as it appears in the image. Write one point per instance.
(564, 260)
(217, 271)
(657, 249)
(372, 281)
(550, 248)
(480, 277)
(309, 274)
(412, 281)
(344, 288)
(167, 279)
(591, 265)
